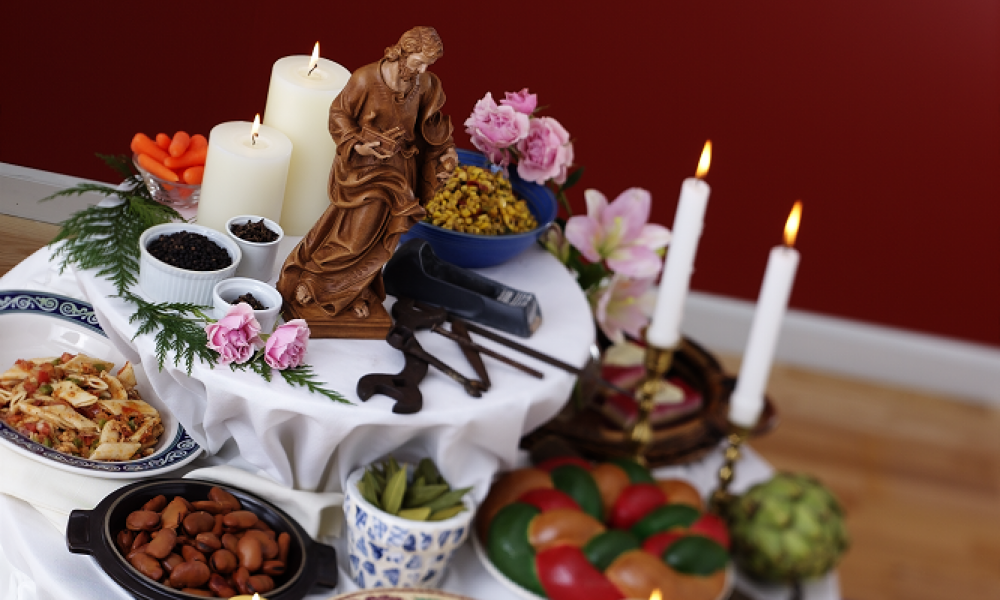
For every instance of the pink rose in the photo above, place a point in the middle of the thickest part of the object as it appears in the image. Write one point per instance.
(546, 153)
(494, 128)
(286, 347)
(235, 336)
(522, 101)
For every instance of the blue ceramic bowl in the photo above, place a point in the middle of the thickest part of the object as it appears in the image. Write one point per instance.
(470, 250)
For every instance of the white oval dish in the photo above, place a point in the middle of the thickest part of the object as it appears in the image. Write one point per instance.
(49, 324)
(161, 282)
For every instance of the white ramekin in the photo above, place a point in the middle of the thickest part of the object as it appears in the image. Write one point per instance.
(230, 289)
(161, 282)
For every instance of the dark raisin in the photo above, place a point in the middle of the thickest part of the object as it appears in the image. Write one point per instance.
(253, 232)
(249, 299)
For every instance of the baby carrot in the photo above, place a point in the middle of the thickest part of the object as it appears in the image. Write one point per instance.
(191, 158)
(179, 144)
(141, 144)
(193, 175)
(198, 141)
(156, 168)
(163, 141)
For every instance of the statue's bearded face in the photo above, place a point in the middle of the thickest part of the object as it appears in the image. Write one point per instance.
(413, 65)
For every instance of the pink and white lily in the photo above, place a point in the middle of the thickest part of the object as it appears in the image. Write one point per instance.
(618, 232)
(624, 305)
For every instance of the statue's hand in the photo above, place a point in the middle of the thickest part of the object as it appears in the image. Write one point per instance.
(450, 160)
(368, 149)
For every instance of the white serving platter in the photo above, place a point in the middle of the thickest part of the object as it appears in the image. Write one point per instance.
(37, 324)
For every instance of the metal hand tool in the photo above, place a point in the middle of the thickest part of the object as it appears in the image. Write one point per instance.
(402, 338)
(402, 387)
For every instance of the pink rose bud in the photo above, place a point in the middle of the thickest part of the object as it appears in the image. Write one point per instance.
(235, 336)
(286, 348)
(522, 101)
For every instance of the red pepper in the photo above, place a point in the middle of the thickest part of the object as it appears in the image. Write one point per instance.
(566, 574)
(658, 543)
(634, 503)
(545, 499)
(713, 527)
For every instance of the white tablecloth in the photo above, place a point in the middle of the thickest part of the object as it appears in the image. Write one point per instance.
(275, 431)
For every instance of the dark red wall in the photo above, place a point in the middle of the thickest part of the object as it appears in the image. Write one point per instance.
(881, 115)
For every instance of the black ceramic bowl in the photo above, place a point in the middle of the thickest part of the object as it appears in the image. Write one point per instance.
(93, 532)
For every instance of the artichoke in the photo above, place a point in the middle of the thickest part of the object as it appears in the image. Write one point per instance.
(787, 529)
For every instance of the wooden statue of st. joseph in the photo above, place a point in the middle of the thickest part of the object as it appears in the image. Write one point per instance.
(393, 148)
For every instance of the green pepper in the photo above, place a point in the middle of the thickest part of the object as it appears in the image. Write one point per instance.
(636, 472)
(45, 389)
(577, 483)
(696, 555)
(508, 546)
(604, 548)
(664, 518)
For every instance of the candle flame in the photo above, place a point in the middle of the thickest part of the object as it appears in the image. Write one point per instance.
(315, 57)
(256, 596)
(792, 224)
(704, 161)
(255, 128)
(655, 595)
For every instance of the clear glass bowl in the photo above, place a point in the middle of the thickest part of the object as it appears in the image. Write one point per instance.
(176, 195)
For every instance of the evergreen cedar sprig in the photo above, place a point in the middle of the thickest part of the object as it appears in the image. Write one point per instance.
(301, 376)
(106, 238)
(179, 327)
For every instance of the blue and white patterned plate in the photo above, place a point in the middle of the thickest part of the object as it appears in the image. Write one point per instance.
(37, 324)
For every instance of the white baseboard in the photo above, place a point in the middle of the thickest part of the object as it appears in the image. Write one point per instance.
(842, 346)
(21, 189)
(853, 348)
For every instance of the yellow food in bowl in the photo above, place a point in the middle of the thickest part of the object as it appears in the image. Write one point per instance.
(475, 200)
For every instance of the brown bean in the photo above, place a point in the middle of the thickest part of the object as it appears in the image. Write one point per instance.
(224, 561)
(209, 506)
(147, 565)
(189, 574)
(284, 543)
(218, 528)
(218, 584)
(241, 578)
(171, 561)
(143, 520)
(230, 542)
(239, 520)
(163, 544)
(139, 550)
(268, 546)
(261, 525)
(140, 540)
(198, 522)
(273, 567)
(191, 554)
(175, 512)
(124, 540)
(207, 542)
(199, 593)
(224, 498)
(260, 584)
(156, 504)
(249, 553)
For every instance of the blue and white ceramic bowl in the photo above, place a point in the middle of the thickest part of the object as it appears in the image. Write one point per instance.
(386, 551)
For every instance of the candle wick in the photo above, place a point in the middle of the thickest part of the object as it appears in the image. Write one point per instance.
(312, 69)
(253, 139)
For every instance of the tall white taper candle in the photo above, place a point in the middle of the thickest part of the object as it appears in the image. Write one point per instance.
(747, 401)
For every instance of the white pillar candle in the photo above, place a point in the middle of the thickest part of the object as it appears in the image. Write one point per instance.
(665, 328)
(747, 401)
(243, 175)
(298, 105)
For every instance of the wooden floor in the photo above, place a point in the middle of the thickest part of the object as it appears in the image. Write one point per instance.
(919, 475)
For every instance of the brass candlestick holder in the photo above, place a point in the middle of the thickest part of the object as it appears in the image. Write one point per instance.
(652, 386)
(722, 497)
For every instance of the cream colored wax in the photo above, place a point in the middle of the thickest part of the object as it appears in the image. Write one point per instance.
(243, 178)
(298, 105)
